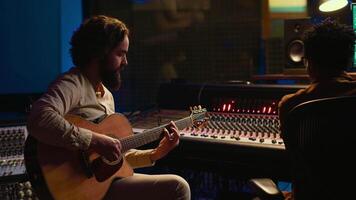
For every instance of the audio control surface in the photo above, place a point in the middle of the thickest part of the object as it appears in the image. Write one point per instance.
(12, 140)
(17, 190)
(241, 129)
(241, 136)
(251, 130)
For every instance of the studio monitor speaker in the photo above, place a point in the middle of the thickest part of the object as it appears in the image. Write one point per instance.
(294, 46)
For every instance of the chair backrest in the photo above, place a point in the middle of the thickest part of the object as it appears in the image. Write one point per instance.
(320, 135)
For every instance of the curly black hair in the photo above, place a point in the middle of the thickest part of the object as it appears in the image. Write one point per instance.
(95, 38)
(330, 45)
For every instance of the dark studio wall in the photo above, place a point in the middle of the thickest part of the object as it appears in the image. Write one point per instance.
(34, 47)
(29, 39)
(34, 40)
(195, 41)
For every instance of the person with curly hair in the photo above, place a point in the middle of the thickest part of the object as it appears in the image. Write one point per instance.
(328, 52)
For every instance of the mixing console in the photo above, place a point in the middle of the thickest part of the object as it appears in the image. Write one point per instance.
(12, 139)
(242, 129)
(14, 183)
(255, 130)
(17, 190)
(241, 136)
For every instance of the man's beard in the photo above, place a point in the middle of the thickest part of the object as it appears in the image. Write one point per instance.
(110, 78)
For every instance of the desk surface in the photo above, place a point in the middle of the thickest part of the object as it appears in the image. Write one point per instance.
(288, 76)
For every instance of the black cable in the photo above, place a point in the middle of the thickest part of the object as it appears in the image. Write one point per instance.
(201, 91)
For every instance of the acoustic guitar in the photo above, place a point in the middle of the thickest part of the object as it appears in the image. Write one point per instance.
(59, 173)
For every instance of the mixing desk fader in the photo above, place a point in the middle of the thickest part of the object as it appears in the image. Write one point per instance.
(12, 140)
(242, 129)
(241, 136)
(14, 183)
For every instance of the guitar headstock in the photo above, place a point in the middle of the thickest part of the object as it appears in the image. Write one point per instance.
(198, 115)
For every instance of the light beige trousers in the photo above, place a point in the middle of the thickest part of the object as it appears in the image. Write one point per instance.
(149, 187)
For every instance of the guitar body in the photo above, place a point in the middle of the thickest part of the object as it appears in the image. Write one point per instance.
(62, 169)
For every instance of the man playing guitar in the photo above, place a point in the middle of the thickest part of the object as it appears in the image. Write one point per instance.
(98, 49)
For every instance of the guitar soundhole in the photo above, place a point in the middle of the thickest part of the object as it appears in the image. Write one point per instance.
(85, 164)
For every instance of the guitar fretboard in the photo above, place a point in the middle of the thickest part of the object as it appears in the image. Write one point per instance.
(151, 135)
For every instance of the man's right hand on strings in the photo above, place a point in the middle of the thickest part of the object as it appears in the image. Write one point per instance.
(105, 146)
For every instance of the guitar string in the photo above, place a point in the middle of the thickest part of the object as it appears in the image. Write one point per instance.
(153, 134)
(150, 136)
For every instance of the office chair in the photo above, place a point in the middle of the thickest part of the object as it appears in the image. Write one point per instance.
(320, 137)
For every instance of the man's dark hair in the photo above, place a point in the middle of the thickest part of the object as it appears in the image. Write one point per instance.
(95, 38)
(330, 46)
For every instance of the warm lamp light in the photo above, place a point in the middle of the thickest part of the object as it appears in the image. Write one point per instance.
(332, 5)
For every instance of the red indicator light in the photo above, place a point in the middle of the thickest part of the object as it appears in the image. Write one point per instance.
(264, 110)
(274, 112)
(229, 107)
(258, 111)
(269, 110)
(233, 110)
(218, 109)
(224, 107)
(232, 101)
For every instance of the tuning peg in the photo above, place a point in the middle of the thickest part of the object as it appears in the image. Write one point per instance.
(199, 107)
(195, 107)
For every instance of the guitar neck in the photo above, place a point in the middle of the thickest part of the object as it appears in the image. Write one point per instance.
(151, 135)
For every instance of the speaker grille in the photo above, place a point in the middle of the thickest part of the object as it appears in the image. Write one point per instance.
(294, 46)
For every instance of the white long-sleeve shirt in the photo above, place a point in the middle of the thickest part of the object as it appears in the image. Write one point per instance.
(72, 93)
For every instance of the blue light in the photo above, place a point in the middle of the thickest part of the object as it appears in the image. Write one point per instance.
(286, 82)
(140, 1)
